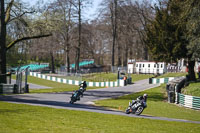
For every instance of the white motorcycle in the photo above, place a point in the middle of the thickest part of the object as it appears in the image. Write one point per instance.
(136, 107)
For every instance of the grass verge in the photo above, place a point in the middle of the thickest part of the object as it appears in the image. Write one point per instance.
(19, 118)
(60, 87)
(193, 89)
(156, 105)
(103, 77)
(179, 74)
(55, 86)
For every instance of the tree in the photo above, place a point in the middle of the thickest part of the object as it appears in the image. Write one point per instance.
(65, 12)
(192, 34)
(5, 19)
(170, 35)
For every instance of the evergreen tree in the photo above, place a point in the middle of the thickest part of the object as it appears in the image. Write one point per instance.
(174, 33)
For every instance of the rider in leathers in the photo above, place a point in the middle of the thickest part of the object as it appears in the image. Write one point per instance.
(141, 99)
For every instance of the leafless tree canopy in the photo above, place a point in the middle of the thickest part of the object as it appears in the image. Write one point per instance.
(115, 36)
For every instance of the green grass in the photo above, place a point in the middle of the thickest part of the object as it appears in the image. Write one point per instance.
(19, 118)
(137, 77)
(55, 86)
(103, 77)
(193, 89)
(100, 77)
(60, 87)
(179, 74)
(113, 77)
(156, 105)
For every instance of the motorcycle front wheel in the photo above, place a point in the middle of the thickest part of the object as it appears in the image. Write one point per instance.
(128, 111)
(71, 102)
(139, 110)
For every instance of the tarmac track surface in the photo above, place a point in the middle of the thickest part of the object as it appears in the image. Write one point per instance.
(61, 100)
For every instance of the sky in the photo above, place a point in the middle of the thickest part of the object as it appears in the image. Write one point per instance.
(88, 13)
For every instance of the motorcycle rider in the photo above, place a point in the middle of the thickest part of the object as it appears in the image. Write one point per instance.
(82, 88)
(141, 99)
(83, 85)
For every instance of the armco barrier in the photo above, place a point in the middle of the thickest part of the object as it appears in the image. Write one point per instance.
(160, 80)
(188, 101)
(75, 82)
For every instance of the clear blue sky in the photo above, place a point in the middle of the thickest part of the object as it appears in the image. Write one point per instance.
(89, 12)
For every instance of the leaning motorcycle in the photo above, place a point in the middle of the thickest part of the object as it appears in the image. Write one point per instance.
(75, 96)
(136, 107)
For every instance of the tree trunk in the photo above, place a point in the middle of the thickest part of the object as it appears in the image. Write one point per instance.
(67, 61)
(79, 38)
(52, 63)
(125, 56)
(145, 53)
(114, 29)
(119, 57)
(3, 45)
(191, 72)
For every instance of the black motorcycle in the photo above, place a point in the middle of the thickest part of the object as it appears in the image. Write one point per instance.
(76, 96)
(136, 107)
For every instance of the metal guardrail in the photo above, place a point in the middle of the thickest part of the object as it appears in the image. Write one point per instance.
(188, 101)
(173, 89)
(160, 80)
(76, 82)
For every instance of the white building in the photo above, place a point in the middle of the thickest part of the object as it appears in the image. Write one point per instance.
(147, 67)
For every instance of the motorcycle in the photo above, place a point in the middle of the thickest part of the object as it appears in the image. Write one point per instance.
(136, 107)
(77, 94)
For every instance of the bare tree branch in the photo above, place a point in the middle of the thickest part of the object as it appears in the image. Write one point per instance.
(8, 9)
(25, 38)
(20, 15)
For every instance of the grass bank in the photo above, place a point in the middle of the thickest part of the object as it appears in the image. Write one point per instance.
(103, 77)
(193, 89)
(19, 118)
(55, 86)
(179, 74)
(156, 105)
(60, 87)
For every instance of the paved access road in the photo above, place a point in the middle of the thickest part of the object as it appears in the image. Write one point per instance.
(31, 86)
(61, 100)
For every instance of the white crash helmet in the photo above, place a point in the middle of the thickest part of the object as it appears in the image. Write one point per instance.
(145, 95)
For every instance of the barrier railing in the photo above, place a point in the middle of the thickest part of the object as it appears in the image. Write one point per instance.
(188, 101)
(160, 80)
(76, 82)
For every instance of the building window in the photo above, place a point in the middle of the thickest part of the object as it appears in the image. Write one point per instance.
(148, 65)
(140, 65)
(154, 65)
(157, 65)
(143, 65)
(136, 65)
(161, 65)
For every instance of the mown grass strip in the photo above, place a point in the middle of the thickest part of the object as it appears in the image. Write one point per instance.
(55, 86)
(19, 118)
(193, 89)
(156, 105)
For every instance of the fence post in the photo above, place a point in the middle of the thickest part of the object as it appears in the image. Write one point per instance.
(26, 79)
